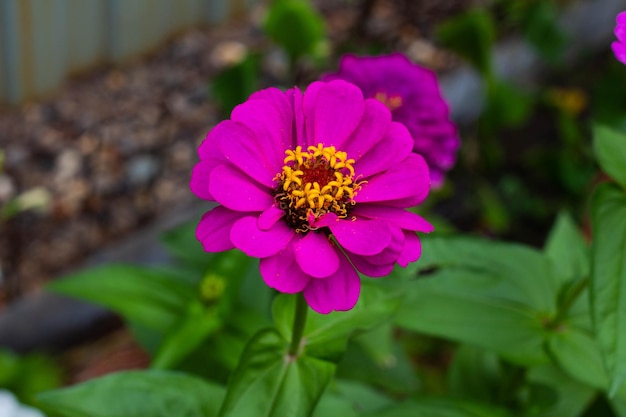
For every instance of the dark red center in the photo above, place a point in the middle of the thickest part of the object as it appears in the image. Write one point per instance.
(319, 174)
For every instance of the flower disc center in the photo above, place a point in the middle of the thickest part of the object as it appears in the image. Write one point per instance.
(392, 101)
(314, 182)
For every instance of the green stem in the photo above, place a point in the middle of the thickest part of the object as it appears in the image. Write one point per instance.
(299, 320)
(567, 304)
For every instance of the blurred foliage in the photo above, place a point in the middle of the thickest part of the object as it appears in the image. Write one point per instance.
(297, 27)
(28, 375)
(234, 84)
(471, 35)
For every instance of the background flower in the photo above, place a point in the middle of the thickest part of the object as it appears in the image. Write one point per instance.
(412, 94)
(315, 185)
(619, 46)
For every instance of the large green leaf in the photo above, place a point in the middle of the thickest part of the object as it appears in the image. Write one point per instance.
(270, 382)
(396, 375)
(512, 272)
(608, 278)
(348, 398)
(567, 250)
(326, 335)
(147, 296)
(136, 394)
(474, 307)
(475, 374)
(187, 335)
(439, 407)
(610, 148)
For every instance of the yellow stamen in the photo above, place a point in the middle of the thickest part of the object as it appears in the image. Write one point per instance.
(314, 182)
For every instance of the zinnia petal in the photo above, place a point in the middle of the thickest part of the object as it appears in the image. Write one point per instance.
(393, 149)
(269, 217)
(365, 237)
(407, 180)
(214, 229)
(315, 255)
(337, 111)
(200, 180)
(271, 123)
(243, 149)
(370, 131)
(366, 268)
(412, 249)
(339, 292)
(246, 236)
(234, 189)
(619, 49)
(399, 217)
(281, 272)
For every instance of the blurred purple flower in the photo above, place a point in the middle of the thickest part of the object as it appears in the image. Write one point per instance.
(619, 46)
(412, 94)
(315, 185)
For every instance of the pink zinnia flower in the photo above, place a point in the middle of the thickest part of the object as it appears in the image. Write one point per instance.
(412, 94)
(315, 185)
(619, 46)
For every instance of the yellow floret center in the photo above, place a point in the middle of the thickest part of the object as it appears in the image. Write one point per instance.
(392, 101)
(314, 182)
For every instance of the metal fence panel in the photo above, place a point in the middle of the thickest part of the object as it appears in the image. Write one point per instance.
(87, 33)
(41, 41)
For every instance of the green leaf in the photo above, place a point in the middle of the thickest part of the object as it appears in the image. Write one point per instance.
(192, 330)
(610, 148)
(269, 382)
(542, 31)
(233, 85)
(136, 394)
(475, 374)
(149, 297)
(27, 375)
(440, 407)
(9, 367)
(619, 406)
(577, 353)
(573, 397)
(608, 278)
(364, 397)
(395, 376)
(326, 335)
(350, 398)
(296, 26)
(513, 272)
(334, 405)
(567, 250)
(507, 105)
(470, 35)
(379, 344)
(182, 243)
(472, 307)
